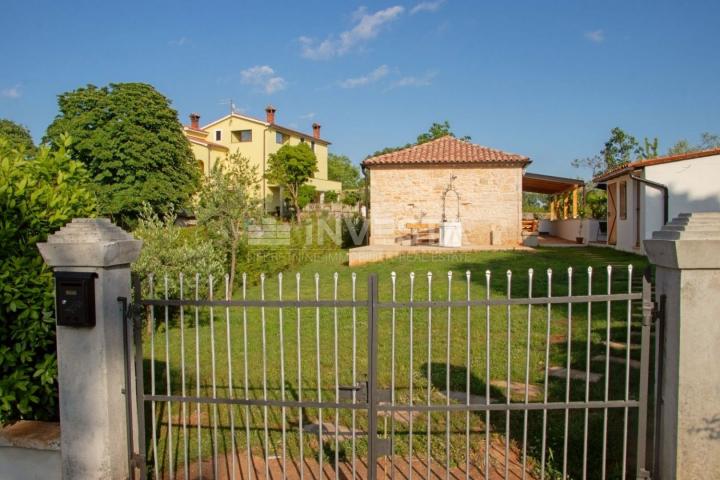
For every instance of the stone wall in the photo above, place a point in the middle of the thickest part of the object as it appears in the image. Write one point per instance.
(490, 202)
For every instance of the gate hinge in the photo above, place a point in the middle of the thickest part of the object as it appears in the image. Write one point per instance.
(658, 312)
(644, 474)
(137, 460)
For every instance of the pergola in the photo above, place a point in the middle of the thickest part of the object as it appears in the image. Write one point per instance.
(564, 191)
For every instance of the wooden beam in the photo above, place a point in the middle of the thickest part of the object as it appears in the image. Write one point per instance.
(575, 203)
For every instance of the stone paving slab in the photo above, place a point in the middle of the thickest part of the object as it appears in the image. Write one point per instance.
(620, 345)
(561, 372)
(620, 360)
(461, 397)
(517, 389)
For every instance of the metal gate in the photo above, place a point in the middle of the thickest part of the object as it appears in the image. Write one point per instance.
(456, 380)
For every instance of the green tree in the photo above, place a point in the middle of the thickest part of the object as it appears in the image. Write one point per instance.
(707, 141)
(227, 203)
(38, 195)
(341, 169)
(435, 131)
(306, 196)
(132, 143)
(438, 130)
(17, 136)
(291, 167)
(649, 149)
(681, 146)
(619, 149)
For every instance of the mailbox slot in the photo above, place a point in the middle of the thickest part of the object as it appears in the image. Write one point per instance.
(75, 296)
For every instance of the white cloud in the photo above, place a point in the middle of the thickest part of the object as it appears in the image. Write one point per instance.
(371, 77)
(427, 7)
(308, 116)
(367, 26)
(264, 77)
(595, 36)
(11, 92)
(414, 81)
(180, 42)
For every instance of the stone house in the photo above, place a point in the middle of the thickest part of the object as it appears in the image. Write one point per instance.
(407, 189)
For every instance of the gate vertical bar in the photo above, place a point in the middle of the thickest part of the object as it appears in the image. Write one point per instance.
(647, 311)
(139, 380)
(128, 364)
(372, 375)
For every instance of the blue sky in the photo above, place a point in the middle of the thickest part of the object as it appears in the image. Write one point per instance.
(547, 79)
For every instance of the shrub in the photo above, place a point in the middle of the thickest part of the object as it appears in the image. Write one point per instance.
(37, 196)
(351, 198)
(171, 250)
(331, 196)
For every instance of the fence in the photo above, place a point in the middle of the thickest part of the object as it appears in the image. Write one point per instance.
(503, 376)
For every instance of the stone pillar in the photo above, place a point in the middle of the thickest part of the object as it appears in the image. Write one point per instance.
(686, 253)
(91, 373)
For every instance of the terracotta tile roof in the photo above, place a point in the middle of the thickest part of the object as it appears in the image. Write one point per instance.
(447, 149)
(200, 141)
(629, 167)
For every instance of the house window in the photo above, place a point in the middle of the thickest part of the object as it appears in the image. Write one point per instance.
(623, 200)
(313, 145)
(280, 138)
(218, 135)
(242, 136)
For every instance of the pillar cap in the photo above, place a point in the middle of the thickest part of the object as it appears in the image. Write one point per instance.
(90, 242)
(689, 241)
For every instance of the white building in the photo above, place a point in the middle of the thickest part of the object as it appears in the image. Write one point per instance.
(644, 195)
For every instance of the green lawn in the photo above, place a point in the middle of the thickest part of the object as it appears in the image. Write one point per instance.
(217, 323)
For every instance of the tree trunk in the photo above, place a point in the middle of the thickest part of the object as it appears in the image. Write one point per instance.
(233, 261)
(297, 209)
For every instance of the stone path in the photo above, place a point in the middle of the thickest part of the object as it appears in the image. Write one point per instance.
(620, 345)
(399, 416)
(620, 360)
(328, 430)
(461, 397)
(517, 389)
(561, 372)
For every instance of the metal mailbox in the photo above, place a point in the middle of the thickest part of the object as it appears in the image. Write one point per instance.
(75, 294)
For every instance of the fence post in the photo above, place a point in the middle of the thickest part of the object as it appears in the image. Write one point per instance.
(686, 253)
(91, 368)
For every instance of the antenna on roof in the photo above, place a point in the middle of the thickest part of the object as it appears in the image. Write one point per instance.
(231, 104)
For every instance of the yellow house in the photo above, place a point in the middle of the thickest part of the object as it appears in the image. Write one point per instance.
(256, 139)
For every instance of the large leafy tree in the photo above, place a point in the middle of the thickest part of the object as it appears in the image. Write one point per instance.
(228, 202)
(291, 167)
(38, 195)
(17, 136)
(132, 144)
(341, 169)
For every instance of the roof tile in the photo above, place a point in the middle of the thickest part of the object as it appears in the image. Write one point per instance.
(447, 149)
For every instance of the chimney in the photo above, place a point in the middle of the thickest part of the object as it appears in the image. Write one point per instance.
(316, 130)
(195, 121)
(270, 114)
